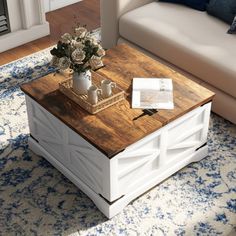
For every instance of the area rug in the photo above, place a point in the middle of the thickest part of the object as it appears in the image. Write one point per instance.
(36, 199)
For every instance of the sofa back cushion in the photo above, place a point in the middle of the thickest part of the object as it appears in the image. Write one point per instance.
(222, 9)
(195, 4)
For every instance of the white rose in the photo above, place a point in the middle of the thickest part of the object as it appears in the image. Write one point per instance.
(64, 63)
(80, 32)
(101, 52)
(78, 56)
(66, 38)
(54, 61)
(95, 62)
(73, 42)
(79, 45)
(92, 40)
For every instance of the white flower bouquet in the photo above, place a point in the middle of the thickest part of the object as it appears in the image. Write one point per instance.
(79, 51)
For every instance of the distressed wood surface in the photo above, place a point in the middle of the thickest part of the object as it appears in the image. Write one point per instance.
(113, 129)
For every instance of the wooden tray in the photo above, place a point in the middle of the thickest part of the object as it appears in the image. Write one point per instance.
(66, 88)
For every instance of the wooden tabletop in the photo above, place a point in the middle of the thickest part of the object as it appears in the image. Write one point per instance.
(113, 129)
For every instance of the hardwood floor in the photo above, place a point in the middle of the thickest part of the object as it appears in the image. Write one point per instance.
(62, 20)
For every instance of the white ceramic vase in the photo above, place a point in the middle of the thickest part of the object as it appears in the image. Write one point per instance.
(81, 82)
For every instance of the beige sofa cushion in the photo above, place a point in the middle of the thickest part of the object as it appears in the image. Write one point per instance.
(192, 40)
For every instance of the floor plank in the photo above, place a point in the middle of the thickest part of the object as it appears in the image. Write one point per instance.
(62, 20)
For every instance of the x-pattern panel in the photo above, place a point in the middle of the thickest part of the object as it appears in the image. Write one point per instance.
(84, 168)
(136, 163)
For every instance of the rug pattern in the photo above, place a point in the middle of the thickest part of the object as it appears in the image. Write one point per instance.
(35, 199)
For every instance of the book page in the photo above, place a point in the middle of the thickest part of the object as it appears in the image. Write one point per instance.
(152, 93)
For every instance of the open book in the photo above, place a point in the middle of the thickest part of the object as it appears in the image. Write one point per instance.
(152, 93)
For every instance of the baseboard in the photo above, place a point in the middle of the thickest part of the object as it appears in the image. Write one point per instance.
(23, 36)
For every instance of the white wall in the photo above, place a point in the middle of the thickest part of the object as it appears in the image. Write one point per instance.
(51, 5)
(27, 21)
(14, 12)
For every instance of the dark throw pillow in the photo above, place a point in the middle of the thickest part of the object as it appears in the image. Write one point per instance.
(222, 9)
(195, 4)
(232, 29)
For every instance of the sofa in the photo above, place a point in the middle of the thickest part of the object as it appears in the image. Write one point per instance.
(190, 41)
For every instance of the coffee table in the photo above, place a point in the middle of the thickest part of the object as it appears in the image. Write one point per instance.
(111, 156)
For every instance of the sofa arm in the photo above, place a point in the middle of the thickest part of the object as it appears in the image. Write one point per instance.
(111, 10)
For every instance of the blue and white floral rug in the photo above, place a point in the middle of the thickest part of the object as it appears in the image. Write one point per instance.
(35, 199)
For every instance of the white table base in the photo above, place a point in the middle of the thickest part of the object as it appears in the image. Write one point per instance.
(113, 183)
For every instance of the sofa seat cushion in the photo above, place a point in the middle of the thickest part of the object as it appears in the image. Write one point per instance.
(191, 40)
